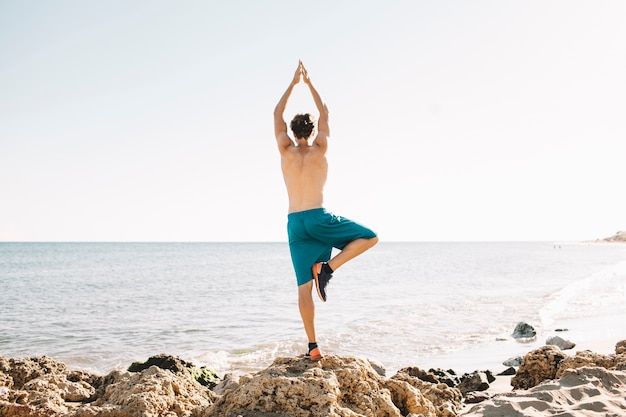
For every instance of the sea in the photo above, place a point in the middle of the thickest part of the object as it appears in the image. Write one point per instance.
(233, 306)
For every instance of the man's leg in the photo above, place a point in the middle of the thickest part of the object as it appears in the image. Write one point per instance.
(307, 309)
(351, 251)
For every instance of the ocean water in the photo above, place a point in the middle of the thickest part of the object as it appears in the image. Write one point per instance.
(233, 306)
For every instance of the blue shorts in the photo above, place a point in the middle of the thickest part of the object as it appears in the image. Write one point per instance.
(314, 233)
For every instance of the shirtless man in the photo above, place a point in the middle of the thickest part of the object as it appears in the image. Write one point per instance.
(313, 231)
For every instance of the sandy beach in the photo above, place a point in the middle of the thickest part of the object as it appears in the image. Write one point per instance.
(585, 398)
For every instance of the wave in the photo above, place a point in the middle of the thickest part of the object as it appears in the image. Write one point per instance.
(601, 293)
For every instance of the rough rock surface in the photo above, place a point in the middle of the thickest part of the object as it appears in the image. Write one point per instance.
(446, 399)
(549, 362)
(508, 371)
(539, 365)
(476, 397)
(19, 371)
(448, 377)
(152, 392)
(515, 361)
(336, 387)
(561, 343)
(589, 358)
(203, 375)
(478, 381)
(524, 332)
(292, 387)
(44, 387)
(548, 381)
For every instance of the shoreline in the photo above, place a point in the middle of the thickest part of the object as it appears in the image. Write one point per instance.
(54, 387)
(42, 386)
(598, 334)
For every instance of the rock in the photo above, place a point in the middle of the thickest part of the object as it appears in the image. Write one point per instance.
(39, 386)
(67, 391)
(490, 377)
(426, 376)
(516, 361)
(21, 371)
(449, 377)
(620, 347)
(476, 397)
(176, 365)
(524, 332)
(169, 363)
(295, 387)
(5, 381)
(446, 399)
(380, 369)
(151, 392)
(560, 343)
(44, 387)
(334, 386)
(205, 376)
(229, 382)
(477, 381)
(539, 365)
(589, 358)
(508, 371)
(549, 362)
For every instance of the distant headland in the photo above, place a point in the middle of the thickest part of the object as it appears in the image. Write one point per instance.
(618, 237)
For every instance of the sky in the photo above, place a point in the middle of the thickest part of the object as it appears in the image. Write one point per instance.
(450, 120)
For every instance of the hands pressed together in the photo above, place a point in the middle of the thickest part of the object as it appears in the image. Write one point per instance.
(301, 73)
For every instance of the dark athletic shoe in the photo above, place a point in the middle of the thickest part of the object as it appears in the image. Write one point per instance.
(321, 280)
(314, 354)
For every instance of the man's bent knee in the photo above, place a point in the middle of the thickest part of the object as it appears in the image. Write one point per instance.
(370, 242)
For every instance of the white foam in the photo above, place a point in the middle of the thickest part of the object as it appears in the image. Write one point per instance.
(598, 294)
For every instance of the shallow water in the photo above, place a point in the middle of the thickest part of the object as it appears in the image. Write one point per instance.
(233, 306)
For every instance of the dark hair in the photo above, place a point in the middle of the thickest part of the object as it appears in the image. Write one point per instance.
(302, 125)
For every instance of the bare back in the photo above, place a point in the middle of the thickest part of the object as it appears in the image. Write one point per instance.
(305, 169)
(304, 165)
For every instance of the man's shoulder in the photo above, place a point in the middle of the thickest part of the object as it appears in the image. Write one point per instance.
(321, 141)
(284, 142)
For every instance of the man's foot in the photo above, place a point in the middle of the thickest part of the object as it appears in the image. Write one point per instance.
(314, 354)
(321, 277)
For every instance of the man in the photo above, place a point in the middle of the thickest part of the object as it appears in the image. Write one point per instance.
(313, 232)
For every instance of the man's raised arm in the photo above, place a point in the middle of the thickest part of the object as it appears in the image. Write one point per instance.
(323, 127)
(280, 126)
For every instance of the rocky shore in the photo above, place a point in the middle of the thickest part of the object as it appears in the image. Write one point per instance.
(546, 381)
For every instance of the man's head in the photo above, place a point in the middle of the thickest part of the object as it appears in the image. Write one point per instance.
(302, 125)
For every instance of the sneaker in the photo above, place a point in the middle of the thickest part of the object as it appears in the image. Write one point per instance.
(314, 354)
(321, 280)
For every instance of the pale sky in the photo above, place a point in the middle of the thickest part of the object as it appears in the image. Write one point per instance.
(451, 120)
